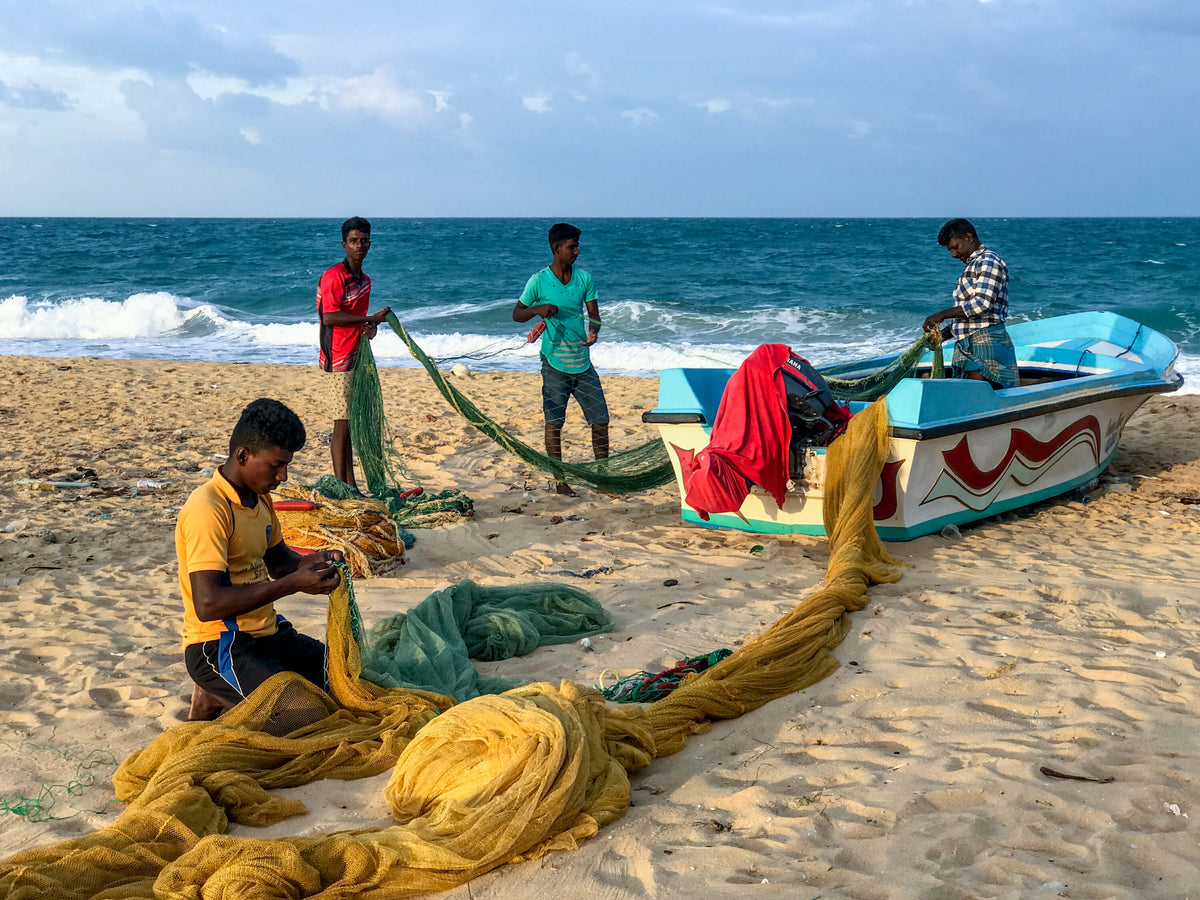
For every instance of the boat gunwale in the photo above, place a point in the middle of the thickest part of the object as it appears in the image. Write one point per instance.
(1023, 411)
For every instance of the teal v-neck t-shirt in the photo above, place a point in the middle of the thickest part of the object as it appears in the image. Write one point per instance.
(563, 340)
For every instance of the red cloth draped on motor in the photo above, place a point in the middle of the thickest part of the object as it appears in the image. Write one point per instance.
(750, 437)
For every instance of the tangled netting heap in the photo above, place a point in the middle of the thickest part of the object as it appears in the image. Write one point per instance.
(493, 780)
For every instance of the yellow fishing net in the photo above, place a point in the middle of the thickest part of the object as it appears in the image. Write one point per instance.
(497, 779)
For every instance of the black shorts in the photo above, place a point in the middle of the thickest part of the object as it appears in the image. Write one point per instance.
(235, 664)
(558, 387)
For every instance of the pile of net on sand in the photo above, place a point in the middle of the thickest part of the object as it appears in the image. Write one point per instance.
(494, 780)
(364, 530)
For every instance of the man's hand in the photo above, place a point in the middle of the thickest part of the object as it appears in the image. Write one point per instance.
(592, 337)
(316, 574)
(370, 330)
(932, 322)
(380, 317)
(546, 310)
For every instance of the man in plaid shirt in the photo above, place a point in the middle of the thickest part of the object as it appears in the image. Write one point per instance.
(982, 347)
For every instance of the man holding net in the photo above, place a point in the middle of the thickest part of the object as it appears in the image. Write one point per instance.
(343, 298)
(234, 565)
(561, 294)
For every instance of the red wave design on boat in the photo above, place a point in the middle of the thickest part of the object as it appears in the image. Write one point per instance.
(685, 464)
(889, 501)
(960, 464)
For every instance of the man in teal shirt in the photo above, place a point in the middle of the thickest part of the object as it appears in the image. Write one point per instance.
(559, 294)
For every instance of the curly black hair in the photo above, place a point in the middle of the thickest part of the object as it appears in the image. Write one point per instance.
(266, 424)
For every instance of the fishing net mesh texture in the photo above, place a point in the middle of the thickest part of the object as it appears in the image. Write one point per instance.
(493, 780)
(639, 469)
(878, 383)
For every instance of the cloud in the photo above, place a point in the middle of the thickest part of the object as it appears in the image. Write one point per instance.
(717, 105)
(155, 40)
(33, 96)
(577, 68)
(640, 116)
(538, 104)
(378, 94)
(253, 138)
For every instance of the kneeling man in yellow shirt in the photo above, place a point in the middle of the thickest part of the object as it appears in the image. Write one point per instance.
(234, 565)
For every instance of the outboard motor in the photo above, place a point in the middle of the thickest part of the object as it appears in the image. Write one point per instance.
(815, 417)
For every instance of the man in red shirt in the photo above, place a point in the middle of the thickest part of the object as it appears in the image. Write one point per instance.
(343, 298)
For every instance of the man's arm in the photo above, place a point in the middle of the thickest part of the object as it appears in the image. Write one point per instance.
(932, 322)
(298, 574)
(593, 324)
(341, 317)
(523, 313)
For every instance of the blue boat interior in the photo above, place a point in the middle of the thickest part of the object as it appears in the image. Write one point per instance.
(1063, 361)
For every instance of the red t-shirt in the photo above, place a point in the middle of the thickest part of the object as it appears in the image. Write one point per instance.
(340, 290)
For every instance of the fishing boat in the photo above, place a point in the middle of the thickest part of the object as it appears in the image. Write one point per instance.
(961, 451)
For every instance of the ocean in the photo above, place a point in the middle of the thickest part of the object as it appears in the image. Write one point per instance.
(673, 292)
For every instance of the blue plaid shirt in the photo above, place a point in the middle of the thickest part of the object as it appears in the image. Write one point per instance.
(981, 292)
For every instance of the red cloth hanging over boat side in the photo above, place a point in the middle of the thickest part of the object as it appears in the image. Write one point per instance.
(749, 438)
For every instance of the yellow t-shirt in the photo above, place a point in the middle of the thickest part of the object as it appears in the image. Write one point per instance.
(215, 533)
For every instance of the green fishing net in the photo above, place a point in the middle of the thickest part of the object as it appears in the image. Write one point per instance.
(876, 384)
(431, 647)
(639, 469)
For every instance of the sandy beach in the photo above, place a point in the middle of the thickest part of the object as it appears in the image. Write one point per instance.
(1060, 638)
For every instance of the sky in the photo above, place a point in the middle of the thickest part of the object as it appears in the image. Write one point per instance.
(614, 108)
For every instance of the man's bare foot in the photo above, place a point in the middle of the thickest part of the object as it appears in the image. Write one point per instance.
(565, 489)
(205, 706)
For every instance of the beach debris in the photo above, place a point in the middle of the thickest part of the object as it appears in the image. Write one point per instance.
(46, 536)
(148, 484)
(587, 573)
(951, 531)
(529, 498)
(55, 485)
(556, 520)
(765, 551)
(460, 370)
(586, 644)
(1054, 773)
(671, 582)
(1161, 654)
(12, 527)
(1190, 500)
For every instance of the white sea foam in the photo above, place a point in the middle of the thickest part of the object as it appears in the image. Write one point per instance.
(640, 338)
(90, 318)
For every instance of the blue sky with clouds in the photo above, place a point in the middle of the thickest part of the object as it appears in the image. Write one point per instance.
(620, 108)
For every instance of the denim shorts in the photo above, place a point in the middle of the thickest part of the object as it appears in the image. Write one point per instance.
(558, 387)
